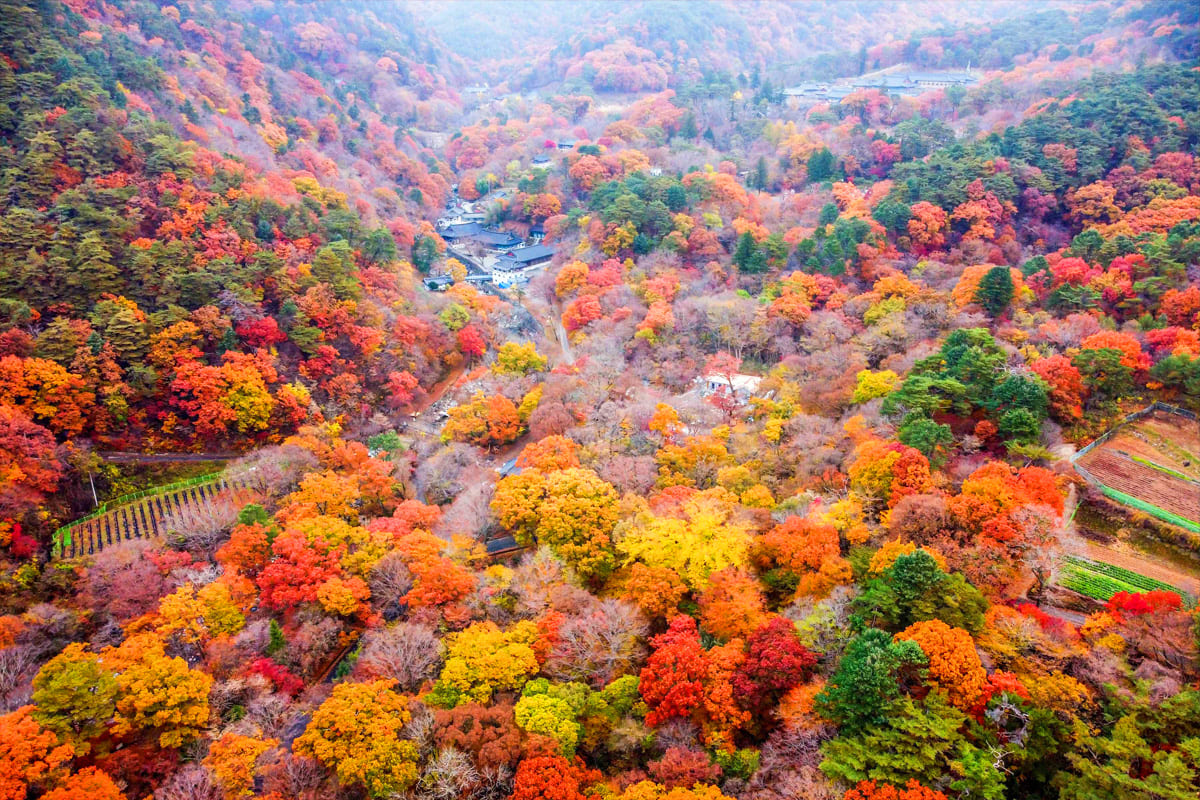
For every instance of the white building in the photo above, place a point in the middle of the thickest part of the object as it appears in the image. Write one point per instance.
(506, 273)
(744, 386)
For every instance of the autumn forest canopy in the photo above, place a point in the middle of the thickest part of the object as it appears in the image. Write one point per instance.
(599, 400)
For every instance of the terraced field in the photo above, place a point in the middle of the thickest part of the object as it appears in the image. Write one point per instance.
(156, 513)
(1101, 581)
(1155, 461)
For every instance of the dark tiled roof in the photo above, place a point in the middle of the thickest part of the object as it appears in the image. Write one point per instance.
(505, 544)
(461, 230)
(497, 238)
(527, 255)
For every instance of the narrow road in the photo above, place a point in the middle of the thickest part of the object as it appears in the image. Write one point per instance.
(1073, 617)
(564, 343)
(565, 356)
(124, 457)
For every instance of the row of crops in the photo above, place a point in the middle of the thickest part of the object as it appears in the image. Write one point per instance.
(1101, 581)
(1165, 470)
(155, 513)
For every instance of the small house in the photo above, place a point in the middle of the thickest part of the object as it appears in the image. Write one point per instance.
(743, 386)
(459, 231)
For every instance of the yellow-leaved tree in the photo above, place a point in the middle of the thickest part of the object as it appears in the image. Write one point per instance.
(356, 733)
(157, 692)
(199, 615)
(572, 510)
(702, 540)
(518, 359)
(233, 759)
(482, 660)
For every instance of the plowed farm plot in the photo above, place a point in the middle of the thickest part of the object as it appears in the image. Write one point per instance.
(1155, 460)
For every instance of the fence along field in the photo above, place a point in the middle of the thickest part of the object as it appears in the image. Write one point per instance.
(1151, 463)
(173, 509)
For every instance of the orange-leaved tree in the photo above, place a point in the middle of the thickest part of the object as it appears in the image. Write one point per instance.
(954, 664)
(30, 755)
(870, 790)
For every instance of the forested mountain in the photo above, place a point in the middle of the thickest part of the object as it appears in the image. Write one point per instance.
(572, 401)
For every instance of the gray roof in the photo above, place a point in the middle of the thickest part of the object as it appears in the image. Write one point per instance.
(526, 255)
(461, 230)
(497, 238)
(946, 77)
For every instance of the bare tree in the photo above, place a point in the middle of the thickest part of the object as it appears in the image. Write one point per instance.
(122, 582)
(420, 728)
(405, 651)
(390, 580)
(495, 782)
(449, 775)
(17, 665)
(299, 778)
(277, 470)
(439, 477)
(470, 513)
(201, 526)
(601, 646)
(48, 629)
(192, 782)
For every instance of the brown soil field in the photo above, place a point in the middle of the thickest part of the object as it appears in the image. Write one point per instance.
(1121, 555)
(1167, 440)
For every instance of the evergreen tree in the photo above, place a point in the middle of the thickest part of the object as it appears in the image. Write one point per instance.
(676, 198)
(829, 214)
(380, 246)
(995, 292)
(93, 272)
(127, 335)
(749, 257)
(869, 678)
(924, 434)
(760, 173)
(821, 165)
(688, 129)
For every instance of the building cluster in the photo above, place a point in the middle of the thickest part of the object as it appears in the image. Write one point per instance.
(896, 83)
(506, 259)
